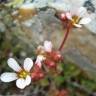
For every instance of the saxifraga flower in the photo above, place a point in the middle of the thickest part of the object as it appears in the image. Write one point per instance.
(21, 74)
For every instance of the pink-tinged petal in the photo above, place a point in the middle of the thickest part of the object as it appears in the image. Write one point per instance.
(78, 25)
(20, 83)
(8, 77)
(81, 11)
(28, 64)
(85, 20)
(39, 59)
(38, 63)
(69, 15)
(62, 16)
(28, 80)
(14, 65)
(47, 46)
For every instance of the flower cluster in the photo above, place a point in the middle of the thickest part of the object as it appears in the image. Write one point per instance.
(51, 56)
(30, 70)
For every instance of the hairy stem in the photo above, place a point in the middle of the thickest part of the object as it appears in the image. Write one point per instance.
(69, 25)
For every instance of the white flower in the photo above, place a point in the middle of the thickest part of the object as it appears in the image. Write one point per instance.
(21, 75)
(47, 47)
(78, 17)
(39, 60)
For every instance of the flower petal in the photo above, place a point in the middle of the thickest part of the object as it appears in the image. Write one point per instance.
(28, 63)
(39, 59)
(47, 46)
(20, 83)
(78, 25)
(82, 11)
(85, 20)
(14, 65)
(8, 77)
(69, 16)
(28, 80)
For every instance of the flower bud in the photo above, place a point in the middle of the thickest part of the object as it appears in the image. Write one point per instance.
(50, 63)
(37, 73)
(56, 56)
(62, 16)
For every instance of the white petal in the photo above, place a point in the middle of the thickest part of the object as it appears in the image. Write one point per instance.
(28, 80)
(47, 46)
(39, 60)
(85, 20)
(78, 25)
(82, 11)
(20, 83)
(14, 65)
(28, 63)
(69, 16)
(8, 77)
(38, 63)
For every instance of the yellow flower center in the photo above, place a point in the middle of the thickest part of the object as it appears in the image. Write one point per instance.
(41, 52)
(75, 20)
(23, 74)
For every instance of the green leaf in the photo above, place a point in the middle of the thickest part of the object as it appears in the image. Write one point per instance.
(59, 80)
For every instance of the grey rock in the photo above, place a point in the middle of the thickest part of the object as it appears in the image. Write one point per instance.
(42, 25)
(82, 62)
(92, 26)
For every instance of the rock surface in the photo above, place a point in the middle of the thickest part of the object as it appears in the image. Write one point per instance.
(81, 47)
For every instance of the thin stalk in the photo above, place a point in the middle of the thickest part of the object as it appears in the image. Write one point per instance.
(69, 25)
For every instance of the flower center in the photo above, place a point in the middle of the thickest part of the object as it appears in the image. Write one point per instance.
(75, 20)
(23, 74)
(41, 52)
